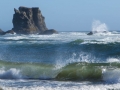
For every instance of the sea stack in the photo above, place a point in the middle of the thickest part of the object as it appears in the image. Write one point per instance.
(29, 21)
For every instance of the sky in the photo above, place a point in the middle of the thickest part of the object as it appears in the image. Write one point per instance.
(66, 15)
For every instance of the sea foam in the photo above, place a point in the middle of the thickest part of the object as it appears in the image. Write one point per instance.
(10, 74)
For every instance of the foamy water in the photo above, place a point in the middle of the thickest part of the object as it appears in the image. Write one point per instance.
(54, 85)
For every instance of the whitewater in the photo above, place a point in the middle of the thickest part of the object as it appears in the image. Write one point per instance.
(68, 60)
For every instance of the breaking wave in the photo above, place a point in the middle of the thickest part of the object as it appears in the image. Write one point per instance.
(79, 71)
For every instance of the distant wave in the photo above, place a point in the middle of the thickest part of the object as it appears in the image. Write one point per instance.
(77, 49)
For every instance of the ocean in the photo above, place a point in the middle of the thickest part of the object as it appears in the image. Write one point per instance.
(64, 61)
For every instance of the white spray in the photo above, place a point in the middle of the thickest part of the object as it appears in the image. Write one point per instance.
(98, 27)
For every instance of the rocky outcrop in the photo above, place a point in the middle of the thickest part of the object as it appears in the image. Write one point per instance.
(90, 33)
(28, 21)
(9, 32)
(95, 32)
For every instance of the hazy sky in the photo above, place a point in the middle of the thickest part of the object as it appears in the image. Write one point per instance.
(66, 15)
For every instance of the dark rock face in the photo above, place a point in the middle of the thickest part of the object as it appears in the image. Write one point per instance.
(48, 32)
(28, 21)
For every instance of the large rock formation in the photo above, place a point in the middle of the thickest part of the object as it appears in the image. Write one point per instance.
(28, 21)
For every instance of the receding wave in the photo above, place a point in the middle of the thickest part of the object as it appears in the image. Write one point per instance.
(74, 72)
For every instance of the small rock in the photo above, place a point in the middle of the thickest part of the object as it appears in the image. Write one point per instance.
(1, 32)
(90, 33)
(10, 32)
